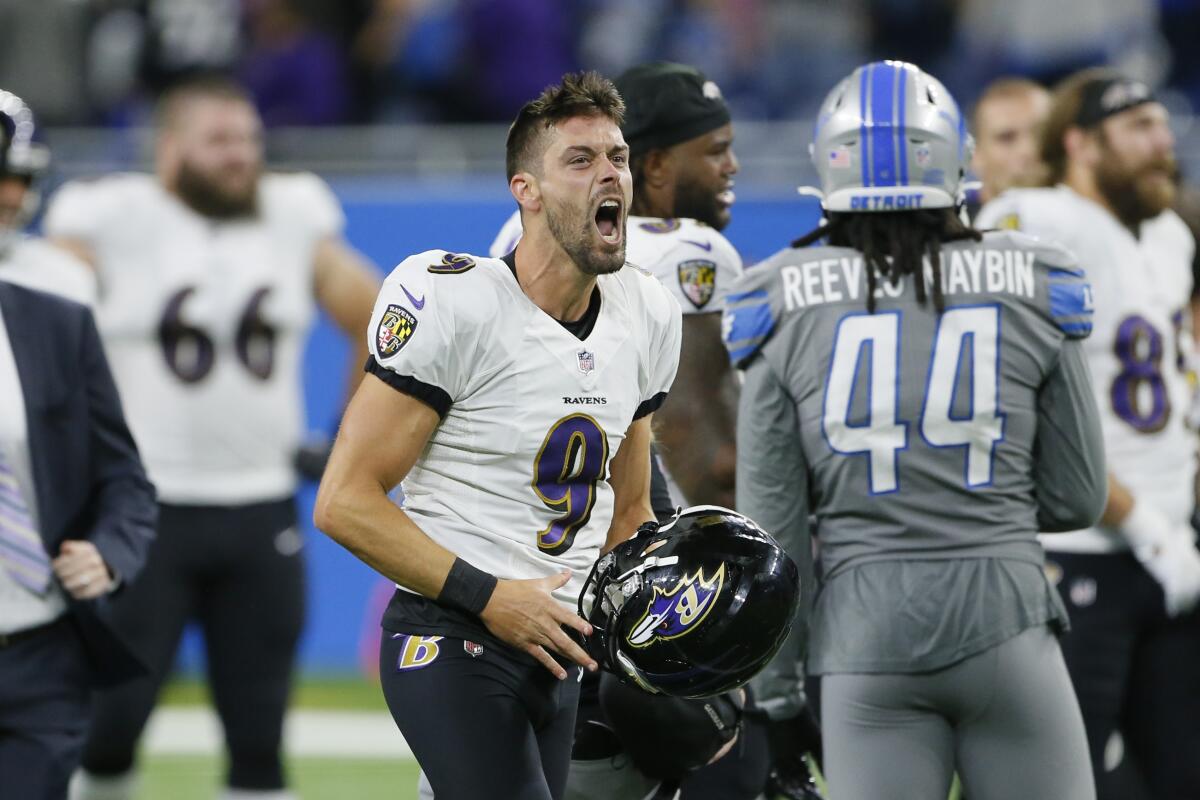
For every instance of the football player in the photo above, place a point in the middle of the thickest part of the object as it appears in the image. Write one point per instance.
(212, 271)
(1007, 125)
(1131, 582)
(680, 138)
(921, 390)
(513, 397)
(681, 155)
(26, 260)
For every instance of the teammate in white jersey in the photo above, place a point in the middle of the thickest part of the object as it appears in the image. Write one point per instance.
(514, 399)
(210, 274)
(1132, 582)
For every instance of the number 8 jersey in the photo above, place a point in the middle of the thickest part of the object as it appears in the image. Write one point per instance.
(1140, 348)
(204, 324)
(515, 477)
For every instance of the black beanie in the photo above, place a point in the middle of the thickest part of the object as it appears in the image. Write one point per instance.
(666, 104)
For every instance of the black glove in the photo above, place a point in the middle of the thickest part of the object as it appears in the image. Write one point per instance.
(312, 456)
(790, 739)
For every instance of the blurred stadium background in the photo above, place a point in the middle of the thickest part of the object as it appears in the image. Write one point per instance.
(401, 105)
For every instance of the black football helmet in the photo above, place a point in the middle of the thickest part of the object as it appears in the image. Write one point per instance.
(691, 608)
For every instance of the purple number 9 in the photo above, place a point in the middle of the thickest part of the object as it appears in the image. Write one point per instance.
(571, 460)
(1139, 348)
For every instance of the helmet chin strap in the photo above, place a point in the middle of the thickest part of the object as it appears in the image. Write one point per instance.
(652, 561)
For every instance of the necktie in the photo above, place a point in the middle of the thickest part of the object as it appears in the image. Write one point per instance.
(22, 554)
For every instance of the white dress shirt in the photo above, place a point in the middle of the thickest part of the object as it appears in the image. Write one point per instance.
(20, 608)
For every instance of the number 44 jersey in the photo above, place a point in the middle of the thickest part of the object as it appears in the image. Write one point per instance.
(1140, 348)
(204, 324)
(914, 434)
(515, 478)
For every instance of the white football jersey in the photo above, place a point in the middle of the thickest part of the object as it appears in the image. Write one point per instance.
(695, 262)
(36, 264)
(515, 478)
(205, 323)
(1139, 348)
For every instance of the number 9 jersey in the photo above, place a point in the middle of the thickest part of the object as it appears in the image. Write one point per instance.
(515, 478)
(1141, 345)
(204, 323)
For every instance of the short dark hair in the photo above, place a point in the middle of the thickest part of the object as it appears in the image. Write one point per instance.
(1066, 103)
(200, 85)
(1006, 87)
(579, 94)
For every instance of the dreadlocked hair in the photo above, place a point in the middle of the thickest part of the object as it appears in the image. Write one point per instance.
(895, 243)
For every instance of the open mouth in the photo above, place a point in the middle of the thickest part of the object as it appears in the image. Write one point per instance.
(726, 197)
(608, 221)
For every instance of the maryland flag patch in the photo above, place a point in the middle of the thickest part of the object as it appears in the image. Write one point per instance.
(698, 280)
(395, 329)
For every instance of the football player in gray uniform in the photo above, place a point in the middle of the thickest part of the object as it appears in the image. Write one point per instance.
(920, 389)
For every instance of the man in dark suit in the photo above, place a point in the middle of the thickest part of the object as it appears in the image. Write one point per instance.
(77, 513)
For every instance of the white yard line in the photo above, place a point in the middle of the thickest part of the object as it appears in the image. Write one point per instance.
(307, 732)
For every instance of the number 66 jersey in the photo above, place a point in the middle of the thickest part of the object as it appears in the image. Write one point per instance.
(1140, 347)
(204, 323)
(514, 479)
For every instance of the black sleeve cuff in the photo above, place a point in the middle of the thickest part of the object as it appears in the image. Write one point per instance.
(649, 406)
(433, 396)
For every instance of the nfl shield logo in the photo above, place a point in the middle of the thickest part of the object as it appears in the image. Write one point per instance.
(587, 362)
(698, 280)
(473, 649)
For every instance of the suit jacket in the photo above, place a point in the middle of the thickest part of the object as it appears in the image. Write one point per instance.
(90, 481)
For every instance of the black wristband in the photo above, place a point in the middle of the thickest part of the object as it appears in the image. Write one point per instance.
(467, 588)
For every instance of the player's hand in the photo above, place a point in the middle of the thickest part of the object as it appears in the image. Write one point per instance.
(1168, 552)
(1175, 564)
(790, 740)
(524, 614)
(81, 570)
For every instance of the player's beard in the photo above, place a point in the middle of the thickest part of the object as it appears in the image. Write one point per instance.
(208, 197)
(694, 200)
(582, 242)
(1140, 193)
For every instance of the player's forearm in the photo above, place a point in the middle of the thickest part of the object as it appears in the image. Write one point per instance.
(1120, 503)
(703, 465)
(1069, 474)
(626, 524)
(362, 518)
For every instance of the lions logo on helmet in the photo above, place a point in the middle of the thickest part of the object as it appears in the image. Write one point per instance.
(673, 614)
(890, 138)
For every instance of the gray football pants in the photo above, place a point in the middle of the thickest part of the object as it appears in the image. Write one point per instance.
(1005, 719)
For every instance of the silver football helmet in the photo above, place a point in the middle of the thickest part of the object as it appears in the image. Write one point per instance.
(22, 154)
(890, 138)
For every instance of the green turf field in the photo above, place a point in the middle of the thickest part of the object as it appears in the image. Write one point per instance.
(348, 693)
(198, 778)
(179, 777)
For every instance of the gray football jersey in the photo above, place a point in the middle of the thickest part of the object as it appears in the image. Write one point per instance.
(914, 436)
